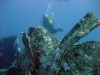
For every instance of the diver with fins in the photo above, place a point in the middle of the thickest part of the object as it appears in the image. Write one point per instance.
(48, 24)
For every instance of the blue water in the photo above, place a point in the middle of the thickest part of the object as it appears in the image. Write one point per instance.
(17, 15)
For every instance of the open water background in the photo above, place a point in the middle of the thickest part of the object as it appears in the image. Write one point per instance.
(18, 15)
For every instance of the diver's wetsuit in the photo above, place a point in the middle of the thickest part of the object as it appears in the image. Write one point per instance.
(49, 25)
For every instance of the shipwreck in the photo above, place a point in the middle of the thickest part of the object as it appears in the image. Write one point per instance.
(44, 54)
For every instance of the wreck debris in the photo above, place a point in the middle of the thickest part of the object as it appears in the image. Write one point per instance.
(82, 59)
(26, 41)
(52, 57)
(45, 45)
(9, 49)
(81, 29)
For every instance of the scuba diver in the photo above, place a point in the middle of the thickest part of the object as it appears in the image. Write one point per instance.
(47, 23)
